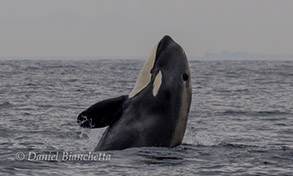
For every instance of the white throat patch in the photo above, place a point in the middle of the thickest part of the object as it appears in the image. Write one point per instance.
(144, 77)
(157, 83)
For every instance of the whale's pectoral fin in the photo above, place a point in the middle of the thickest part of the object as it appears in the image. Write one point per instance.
(103, 113)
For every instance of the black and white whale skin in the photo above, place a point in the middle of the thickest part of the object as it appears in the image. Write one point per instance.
(155, 112)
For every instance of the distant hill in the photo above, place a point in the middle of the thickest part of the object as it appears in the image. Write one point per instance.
(226, 55)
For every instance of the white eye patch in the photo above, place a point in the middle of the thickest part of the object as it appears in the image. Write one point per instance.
(157, 83)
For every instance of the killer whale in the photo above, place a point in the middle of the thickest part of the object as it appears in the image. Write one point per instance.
(155, 112)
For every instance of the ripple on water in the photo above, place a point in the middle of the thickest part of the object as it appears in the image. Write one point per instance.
(239, 124)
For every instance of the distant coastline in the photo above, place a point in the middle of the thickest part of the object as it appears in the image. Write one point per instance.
(227, 55)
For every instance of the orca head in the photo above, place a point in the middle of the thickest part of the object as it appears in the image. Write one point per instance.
(171, 62)
(166, 78)
(172, 88)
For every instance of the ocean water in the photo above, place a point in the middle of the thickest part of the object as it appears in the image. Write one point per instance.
(240, 121)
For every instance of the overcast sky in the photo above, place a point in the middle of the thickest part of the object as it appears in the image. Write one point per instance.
(130, 28)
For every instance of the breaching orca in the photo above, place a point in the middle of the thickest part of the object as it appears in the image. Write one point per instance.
(155, 112)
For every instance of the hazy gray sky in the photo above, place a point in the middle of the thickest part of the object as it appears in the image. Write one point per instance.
(130, 28)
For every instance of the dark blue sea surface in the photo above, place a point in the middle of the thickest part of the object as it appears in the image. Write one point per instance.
(240, 121)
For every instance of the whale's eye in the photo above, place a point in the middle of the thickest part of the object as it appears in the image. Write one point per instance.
(185, 76)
